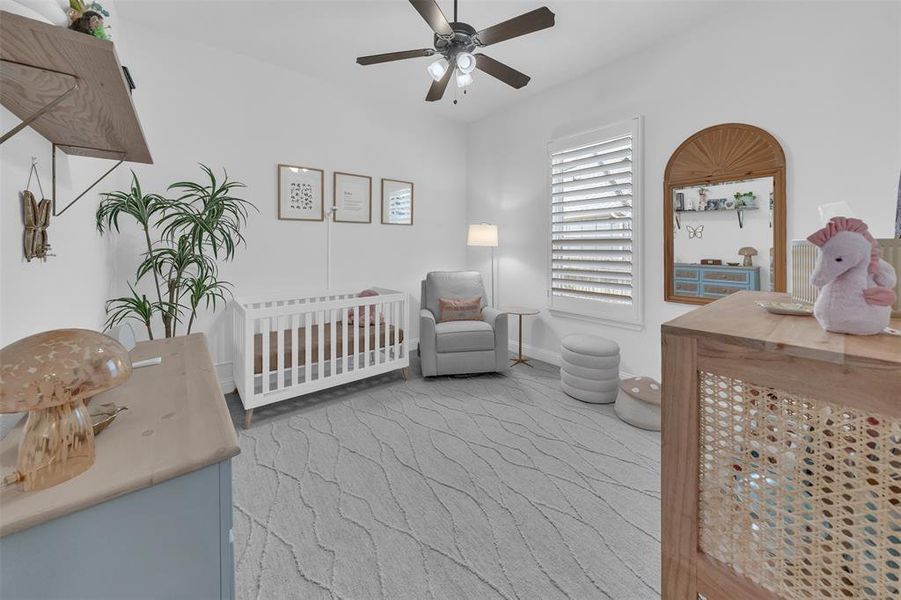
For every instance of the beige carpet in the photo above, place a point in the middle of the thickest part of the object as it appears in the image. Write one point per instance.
(455, 487)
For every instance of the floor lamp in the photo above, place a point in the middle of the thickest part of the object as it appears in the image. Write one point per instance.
(484, 234)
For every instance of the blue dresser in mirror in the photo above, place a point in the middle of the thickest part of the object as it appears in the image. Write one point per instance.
(713, 281)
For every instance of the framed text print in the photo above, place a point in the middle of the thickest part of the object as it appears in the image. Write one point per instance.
(397, 202)
(300, 193)
(353, 198)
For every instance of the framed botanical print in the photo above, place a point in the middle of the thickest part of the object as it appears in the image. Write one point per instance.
(397, 202)
(300, 193)
(353, 198)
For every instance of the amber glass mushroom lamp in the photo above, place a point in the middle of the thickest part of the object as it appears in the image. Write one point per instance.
(51, 375)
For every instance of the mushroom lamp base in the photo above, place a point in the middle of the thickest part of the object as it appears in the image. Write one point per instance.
(57, 444)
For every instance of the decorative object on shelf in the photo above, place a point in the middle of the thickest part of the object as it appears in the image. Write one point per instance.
(745, 200)
(485, 234)
(397, 202)
(300, 193)
(856, 286)
(711, 261)
(748, 252)
(702, 198)
(51, 375)
(695, 232)
(352, 198)
(455, 43)
(102, 415)
(88, 18)
(680, 201)
(36, 214)
(193, 231)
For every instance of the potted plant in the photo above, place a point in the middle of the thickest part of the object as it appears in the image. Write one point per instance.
(184, 238)
(745, 199)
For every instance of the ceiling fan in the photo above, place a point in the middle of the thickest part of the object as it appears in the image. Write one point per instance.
(456, 41)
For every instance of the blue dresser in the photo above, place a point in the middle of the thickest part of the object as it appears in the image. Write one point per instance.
(713, 281)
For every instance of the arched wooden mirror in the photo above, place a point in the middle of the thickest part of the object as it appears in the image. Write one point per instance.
(724, 215)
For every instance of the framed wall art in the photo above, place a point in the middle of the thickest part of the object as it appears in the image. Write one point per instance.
(397, 202)
(352, 198)
(300, 193)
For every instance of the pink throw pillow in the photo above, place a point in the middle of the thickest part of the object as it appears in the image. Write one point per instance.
(459, 309)
(358, 312)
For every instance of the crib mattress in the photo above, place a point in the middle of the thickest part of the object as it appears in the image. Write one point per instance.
(386, 337)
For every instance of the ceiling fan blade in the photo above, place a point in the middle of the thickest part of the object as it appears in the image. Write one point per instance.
(389, 56)
(499, 70)
(436, 91)
(536, 20)
(433, 16)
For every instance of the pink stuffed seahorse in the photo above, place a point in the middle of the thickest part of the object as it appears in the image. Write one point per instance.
(856, 286)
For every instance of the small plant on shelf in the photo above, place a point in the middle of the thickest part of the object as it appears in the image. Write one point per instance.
(184, 237)
(88, 18)
(745, 199)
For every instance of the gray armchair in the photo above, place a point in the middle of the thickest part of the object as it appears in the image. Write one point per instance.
(458, 347)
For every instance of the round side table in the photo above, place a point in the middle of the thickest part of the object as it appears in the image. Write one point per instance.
(520, 311)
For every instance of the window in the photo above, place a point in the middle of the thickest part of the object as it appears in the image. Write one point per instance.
(595, 208)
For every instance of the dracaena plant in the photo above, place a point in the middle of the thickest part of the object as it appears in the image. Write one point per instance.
(185, 238)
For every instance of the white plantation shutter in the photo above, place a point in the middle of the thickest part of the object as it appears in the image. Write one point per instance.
(595, 204)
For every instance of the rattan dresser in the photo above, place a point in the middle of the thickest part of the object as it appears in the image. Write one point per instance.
(781, 457)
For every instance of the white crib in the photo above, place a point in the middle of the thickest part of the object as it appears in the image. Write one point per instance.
(336, 345)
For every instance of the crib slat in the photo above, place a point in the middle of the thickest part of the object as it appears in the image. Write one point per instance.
(378, 337)
(397, 329)
(366, 336)
(295, 349)
(356, 334)
(320, 318)
(307, 344)
(333, 327)
(280, 358)
(406, 317)
(388, 321)
(345, 347)
(265, 331)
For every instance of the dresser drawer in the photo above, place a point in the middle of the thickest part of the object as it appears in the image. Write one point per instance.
(687, 273)
(730, 276)
(687, 288)
(718, 290)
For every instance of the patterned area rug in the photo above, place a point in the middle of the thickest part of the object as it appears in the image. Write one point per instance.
(455, 487)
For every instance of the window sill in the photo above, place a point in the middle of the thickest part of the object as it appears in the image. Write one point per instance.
(631, 326)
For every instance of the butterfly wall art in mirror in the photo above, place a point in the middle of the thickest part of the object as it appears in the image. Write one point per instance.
(724, 207)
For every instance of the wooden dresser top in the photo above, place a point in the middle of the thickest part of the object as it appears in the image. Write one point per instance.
(176, 422)
(739, 320)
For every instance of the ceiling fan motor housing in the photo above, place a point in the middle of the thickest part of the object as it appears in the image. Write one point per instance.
(462, 40)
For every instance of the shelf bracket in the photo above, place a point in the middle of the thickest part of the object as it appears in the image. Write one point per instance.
(44, 109)
(89, 188)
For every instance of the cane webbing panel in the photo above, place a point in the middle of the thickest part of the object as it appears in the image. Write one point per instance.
(803, 497)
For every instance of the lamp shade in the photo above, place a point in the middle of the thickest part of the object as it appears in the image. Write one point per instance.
(482, 234)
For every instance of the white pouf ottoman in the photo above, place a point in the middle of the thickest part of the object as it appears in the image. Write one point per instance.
(638, 403)
(589, 370)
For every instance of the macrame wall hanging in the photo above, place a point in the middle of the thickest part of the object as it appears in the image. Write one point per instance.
(36, 214)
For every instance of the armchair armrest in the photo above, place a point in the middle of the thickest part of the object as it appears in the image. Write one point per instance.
(498, 322)
(428, 357)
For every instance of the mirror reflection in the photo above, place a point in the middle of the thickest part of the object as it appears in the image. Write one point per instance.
(723, 238)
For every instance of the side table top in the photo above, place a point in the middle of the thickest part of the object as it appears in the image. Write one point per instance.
(520, 310)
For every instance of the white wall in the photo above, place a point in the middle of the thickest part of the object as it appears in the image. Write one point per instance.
(70, 288)
(201, 104)
(823, 78)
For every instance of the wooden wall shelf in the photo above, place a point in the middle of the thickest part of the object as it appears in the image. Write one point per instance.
(41, 63)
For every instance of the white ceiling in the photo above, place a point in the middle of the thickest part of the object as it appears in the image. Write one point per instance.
(322, 39)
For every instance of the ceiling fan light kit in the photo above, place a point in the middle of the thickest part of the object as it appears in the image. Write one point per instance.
(456, 41)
